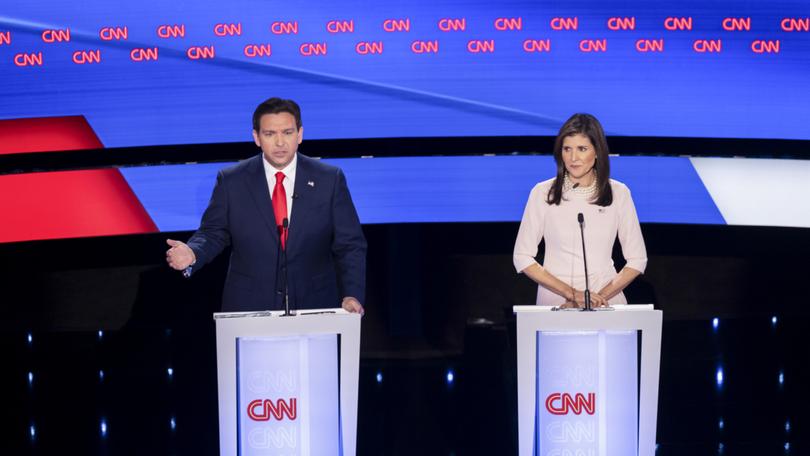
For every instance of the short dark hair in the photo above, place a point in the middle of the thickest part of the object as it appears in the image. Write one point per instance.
(274, 106)
(588, 125)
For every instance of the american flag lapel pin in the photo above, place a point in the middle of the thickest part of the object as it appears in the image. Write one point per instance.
(311, 183)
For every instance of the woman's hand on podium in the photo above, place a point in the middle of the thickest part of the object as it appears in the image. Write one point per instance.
(579, 300)
(179, 256)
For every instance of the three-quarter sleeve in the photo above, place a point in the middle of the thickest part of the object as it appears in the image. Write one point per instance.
(531, 230)
(633, 248)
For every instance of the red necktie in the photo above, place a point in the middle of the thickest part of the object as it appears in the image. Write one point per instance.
(280, 208)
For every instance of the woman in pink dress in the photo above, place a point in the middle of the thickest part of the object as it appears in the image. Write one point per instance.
(582, 185)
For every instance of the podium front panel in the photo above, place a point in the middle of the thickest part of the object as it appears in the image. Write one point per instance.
(609, 392)
(304, 366)
(287, 389)
(587, 393)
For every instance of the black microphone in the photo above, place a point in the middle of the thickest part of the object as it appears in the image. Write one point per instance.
(581, 220)
(285, 224)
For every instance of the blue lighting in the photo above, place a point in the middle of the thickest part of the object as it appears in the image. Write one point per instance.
(720, 448)
(30, 378)
(715, 323)
(787, 426)
(172, 424)
(774, 320)
(379, 377)
(30, 338)
(170, 372)
(450, 377)
(787, 446)
(32, 431)
(781, 378)
(721, 424)
(719, 377)
(100, 334)
(101, 375)
(103, 427)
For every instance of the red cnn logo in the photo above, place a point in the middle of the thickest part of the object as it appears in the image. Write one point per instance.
(564, 403)
(284, 28)
(310, 49)
(24, 60)
(228, 29)
(143, 54)
(650, 45)
(83, 57)
(765, 46)
(622, 23)
(171, 31)
(710, 46)
(509, 23)
(565, 23)
(56, 36)
(792, 24)
(593, 45)
(200, 52)
(340, 26)
(452, 25)
(425, 47)
(678, 23)
(537, 45)
(737, 23)
(262, 410)
(258, 50)
(481, 46)
(369, 47)
(113, 33)
(397, 25)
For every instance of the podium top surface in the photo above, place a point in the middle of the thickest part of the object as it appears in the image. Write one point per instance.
(618, 308)
(279, 313)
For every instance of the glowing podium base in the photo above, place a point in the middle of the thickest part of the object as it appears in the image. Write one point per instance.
(288, 385)
(580, 389)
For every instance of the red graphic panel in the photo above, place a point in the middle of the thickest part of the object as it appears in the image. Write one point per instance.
(69, 204)
(45, 134)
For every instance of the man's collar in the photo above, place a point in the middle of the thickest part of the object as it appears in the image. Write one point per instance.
(287, 170)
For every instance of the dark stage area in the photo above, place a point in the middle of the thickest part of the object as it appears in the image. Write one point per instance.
(110, 352)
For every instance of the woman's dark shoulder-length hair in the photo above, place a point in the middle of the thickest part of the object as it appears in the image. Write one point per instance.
(588, 125)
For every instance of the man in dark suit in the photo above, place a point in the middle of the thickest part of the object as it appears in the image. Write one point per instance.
(277, 200)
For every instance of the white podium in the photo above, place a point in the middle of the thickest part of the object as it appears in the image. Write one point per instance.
(580, 389)
(288, 385)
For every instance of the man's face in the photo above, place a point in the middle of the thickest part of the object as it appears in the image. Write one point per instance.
(278, 138)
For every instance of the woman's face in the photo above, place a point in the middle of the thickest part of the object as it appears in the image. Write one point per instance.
(579, 156)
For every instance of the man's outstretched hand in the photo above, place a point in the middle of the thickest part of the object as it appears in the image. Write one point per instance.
(179, 256)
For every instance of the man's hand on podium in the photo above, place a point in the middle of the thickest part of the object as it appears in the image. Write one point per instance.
(179, 256)
(351, 304)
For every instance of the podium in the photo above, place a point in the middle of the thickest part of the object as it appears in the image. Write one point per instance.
(580, 388)
(288, 385)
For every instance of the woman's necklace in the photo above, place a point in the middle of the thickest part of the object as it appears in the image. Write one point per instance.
(579, 190)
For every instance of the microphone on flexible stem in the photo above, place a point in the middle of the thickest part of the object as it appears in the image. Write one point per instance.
(285, 224)
(581, 220)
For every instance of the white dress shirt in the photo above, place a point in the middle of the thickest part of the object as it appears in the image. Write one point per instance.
(288, 183)
(558, 225)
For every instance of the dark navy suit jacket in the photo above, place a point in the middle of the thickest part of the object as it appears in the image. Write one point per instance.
(326, 249)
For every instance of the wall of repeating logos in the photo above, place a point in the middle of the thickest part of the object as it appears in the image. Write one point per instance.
(160, 75)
